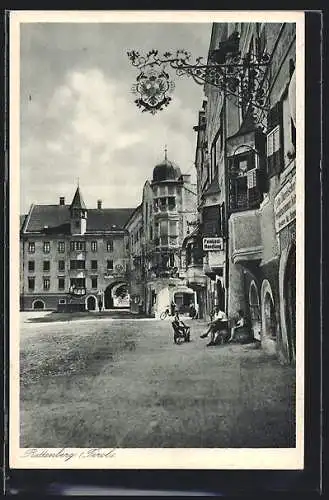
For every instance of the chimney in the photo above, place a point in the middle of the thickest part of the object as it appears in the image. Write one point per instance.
(62, 200)
(99, 204)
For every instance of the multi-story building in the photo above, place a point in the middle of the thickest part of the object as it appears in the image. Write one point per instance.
(168, 207)
(74, 258)
(245, 163)
(136, 274)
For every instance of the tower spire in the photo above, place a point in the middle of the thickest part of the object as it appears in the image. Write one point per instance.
(166, 158)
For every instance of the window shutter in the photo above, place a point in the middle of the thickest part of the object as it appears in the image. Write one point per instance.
(275, 140)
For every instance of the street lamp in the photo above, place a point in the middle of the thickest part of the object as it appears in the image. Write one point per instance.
(243, 78)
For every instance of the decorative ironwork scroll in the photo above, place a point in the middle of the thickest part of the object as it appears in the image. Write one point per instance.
(244, 79)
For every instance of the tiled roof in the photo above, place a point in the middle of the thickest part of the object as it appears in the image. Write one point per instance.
(57, 218)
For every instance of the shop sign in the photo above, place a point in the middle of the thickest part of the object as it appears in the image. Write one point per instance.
(285, 205)
(213, 244)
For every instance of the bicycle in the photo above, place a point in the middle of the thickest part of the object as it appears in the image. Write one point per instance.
(165, 313)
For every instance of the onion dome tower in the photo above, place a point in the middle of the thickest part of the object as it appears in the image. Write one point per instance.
(166, 171)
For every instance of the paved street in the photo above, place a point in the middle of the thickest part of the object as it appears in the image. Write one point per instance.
(123, 383)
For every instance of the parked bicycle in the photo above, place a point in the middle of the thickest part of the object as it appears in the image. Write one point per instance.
(165, 313)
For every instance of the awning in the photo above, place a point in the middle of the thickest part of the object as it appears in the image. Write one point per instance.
(292, 97)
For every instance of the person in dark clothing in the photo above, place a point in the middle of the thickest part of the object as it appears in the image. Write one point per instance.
(181, 327)
(172, 308)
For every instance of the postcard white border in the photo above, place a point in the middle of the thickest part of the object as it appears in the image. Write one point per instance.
(272, 458)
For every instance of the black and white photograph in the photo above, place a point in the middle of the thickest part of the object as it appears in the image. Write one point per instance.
(157, 225)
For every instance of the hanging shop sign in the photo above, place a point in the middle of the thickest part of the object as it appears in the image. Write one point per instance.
(213, 244)
(285, 205)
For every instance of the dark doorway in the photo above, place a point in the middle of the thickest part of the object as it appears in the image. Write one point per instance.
(220, 295)
(290, 301)
(108, 299)
(91, 303)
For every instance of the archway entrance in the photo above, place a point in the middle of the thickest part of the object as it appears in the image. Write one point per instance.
(91, 303)
(290, 301)
(116, 296)
(269, 317)
(38, 304)
(254, 309)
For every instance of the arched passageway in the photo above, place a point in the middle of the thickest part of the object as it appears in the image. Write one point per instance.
(116, 296)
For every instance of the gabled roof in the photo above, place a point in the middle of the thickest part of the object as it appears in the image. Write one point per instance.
(56, 219)
(21, 221)
(77, 201)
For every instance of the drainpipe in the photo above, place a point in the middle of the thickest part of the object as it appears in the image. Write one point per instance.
(226, 200)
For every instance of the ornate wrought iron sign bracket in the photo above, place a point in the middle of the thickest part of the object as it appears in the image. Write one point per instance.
(244, 79)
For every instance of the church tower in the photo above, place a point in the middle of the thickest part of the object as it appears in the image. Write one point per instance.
(78, 213)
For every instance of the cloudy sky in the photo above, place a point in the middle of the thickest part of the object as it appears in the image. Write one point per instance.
(78, 117)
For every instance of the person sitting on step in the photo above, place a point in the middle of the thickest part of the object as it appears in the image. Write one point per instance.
(218, 323)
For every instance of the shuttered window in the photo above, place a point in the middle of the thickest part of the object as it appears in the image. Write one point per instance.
(274, 140)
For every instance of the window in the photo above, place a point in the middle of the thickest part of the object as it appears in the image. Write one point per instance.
(46, 265)
(109, 245)
(94, 265)
(62, 301)
(94, 246)
(61, 265)
(162, 190)
(110, 265)
(171, 190)
(61, 246)
(46, 283)
(78, 245)
(61, 283)
(171, 260)
(210, 220)
(31, 265)
(173, 228)
(78, 282)
(171, 203)
(77, 224)
(31, 247)
(31, 284)
(163, 204)
(246, 184)
(156, 205)
(77, 264)
(94, 282)
(46, 247)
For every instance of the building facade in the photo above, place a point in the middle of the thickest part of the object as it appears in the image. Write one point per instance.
(73, 258)
(168, 207)
(245, 161)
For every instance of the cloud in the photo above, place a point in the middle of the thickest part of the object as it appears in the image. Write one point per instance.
(82, 121)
